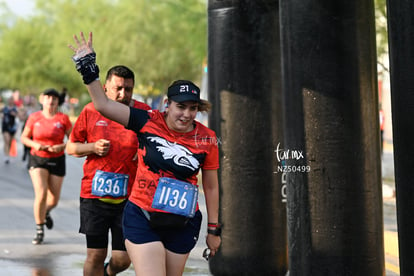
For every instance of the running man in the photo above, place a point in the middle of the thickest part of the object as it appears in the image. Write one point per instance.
(109, 171)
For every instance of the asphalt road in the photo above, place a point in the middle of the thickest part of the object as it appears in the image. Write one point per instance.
(63, 251)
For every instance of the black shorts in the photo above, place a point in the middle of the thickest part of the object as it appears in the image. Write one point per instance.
(96, 218)
(137, 230)
(55, 166)
(10, 129)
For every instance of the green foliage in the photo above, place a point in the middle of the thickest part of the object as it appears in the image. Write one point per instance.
(160, 40)
(382, 33)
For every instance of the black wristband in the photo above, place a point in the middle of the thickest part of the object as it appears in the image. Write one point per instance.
(216, 231)
(87, 67)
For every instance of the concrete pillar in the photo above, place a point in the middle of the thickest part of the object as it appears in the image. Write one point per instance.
(245, 89)
(335, 222)
(401, 43)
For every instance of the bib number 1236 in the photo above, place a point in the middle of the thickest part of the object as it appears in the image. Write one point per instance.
(109, 184)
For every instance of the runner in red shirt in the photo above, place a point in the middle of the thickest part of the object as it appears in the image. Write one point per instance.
(44, 133)
(140, 105)
(161, 221)
(108, 174)
(165, 152)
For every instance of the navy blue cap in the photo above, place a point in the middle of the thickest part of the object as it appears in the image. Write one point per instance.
(51, 92)
(183, 92)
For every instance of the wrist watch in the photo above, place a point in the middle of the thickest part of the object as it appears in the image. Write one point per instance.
(216, 231)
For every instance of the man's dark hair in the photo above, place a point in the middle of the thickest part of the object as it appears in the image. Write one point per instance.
(120, 71)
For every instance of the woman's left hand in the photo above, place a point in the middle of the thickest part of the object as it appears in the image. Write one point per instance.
(213, 243)
(83, 47)
(56, 148)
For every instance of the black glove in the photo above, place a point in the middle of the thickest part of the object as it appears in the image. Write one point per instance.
(88, 68)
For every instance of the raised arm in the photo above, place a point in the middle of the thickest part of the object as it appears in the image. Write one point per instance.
(85, 60)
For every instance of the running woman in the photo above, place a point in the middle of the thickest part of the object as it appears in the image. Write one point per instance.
(161, 218)
(45, 133)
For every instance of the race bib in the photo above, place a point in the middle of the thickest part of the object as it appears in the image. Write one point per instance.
(175, 196)
(109, 184)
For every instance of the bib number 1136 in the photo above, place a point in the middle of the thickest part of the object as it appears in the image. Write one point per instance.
(175, 196)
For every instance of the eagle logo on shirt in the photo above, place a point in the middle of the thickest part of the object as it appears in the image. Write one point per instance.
(180, 155)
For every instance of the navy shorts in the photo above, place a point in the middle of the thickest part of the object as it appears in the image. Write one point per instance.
(96, 218)
(11, 129)
(137, 230)
(55, 166)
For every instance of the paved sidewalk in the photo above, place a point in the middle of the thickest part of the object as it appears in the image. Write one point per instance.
(390, 213)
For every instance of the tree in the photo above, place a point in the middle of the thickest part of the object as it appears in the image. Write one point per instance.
(382, 33)
(160, 40)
